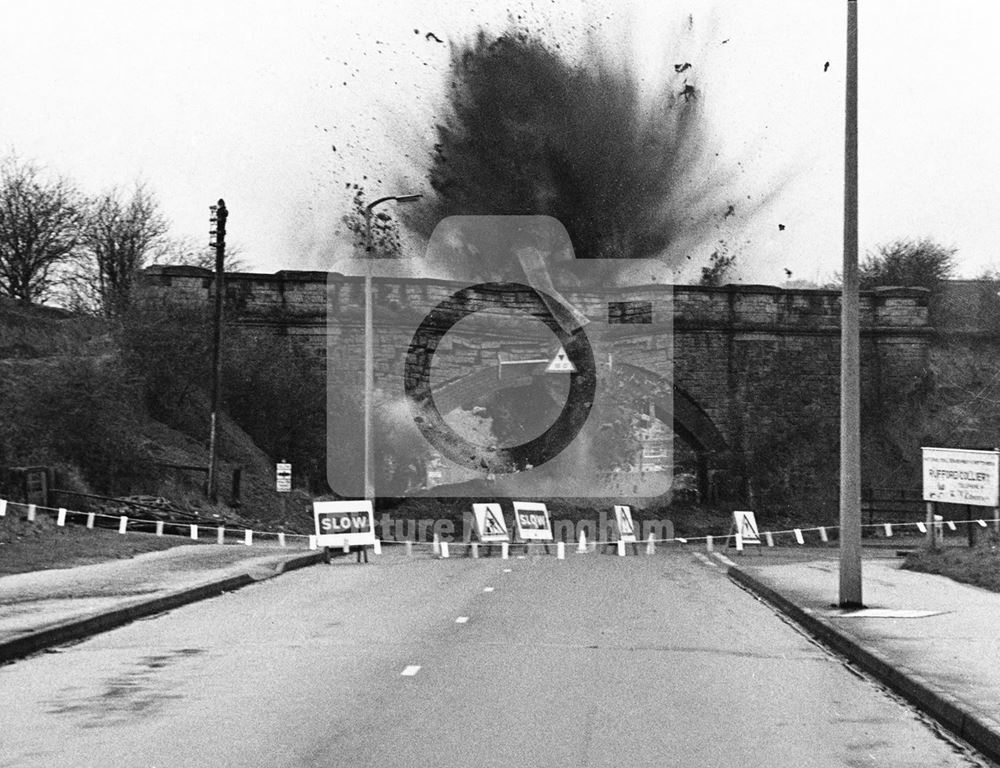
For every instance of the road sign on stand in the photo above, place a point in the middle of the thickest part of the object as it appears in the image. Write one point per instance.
(283, 477)
(490, 525)
(623, 521)
(344, 523)
(745, 529)
(561, 363)
(531, 521)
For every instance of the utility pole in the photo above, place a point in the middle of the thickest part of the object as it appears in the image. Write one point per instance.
(850, 342)
(218, 219)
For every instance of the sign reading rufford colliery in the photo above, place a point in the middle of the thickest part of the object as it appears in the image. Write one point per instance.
(340, 523)
(958, 476)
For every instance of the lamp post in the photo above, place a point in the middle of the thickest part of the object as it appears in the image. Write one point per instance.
(850, 345)
(370, 339)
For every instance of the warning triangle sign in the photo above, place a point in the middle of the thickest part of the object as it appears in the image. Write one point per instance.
(561, 363)
(492, 526)
(746, 526)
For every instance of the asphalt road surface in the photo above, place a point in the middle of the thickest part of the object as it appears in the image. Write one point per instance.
(592, 661)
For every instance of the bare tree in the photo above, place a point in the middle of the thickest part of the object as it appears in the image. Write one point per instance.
(39, 229)
(187, 253)
(120, 235)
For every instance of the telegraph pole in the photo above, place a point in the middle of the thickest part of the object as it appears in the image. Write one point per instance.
(218, 219)
(850, 342)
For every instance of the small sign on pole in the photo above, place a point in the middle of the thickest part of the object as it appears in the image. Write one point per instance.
(561, 363)
(959, 476)
(283, 477)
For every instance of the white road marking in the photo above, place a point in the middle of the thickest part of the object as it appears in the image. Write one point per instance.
(507, 570)
(410, 671)
(461, 619)
(704, 560)
(488, 589)
(724, 559)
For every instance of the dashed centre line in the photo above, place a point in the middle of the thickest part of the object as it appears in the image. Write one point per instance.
(487, 589)
(462, 620)
(507, 570)
(410, 671)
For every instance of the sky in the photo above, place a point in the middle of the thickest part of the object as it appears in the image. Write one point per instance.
(278, 106)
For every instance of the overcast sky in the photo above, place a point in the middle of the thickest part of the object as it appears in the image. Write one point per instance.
(275, 106)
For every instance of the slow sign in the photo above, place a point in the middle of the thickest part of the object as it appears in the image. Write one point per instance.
(531, 521)
(344, 522)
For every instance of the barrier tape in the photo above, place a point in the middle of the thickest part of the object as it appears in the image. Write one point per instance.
(247, 536)
(62, 515)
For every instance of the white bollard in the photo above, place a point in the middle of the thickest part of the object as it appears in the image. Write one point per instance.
(436, 545)
(61, 517)
(888, 530)
(248, 537)
(122, 524)
(3, 507)
(194, 531)
(443, 546)
(982, 523)
(822, 534)
(798, 536)
(159, 527)
(312, 541)
(220, 535)
(650, 545)
(31, 513)
(709, 544)
(474, 547)
(560, 550)
(951, 525)
(346, 547)
(90, 519)
(769, 538)
(581, 545)
(621, 548)
(281, 539)
(739, 541)
(409, 549)
(504, 550)
(378, 547)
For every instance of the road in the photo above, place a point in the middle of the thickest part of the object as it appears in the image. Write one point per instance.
(591, 661)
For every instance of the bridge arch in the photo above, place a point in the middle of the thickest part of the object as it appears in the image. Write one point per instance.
(689, 420)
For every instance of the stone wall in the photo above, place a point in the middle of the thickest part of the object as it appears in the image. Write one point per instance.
(763, 363)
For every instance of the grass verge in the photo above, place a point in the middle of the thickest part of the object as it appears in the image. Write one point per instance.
(979, 566)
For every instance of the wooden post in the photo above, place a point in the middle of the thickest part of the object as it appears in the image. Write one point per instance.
(930, 541)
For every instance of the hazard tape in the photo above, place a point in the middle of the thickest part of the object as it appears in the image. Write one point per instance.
(246, 536)
(249, 536)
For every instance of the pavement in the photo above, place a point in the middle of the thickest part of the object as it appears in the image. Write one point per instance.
(41, 609)
(930, 639)
(934, 641)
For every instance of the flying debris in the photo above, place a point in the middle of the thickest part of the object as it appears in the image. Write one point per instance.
(826, 66)
(682, 67)
(333, 147)
(781, 227)
(688, 93)
(788, 273)
(731, 210)
(725, 41)
(432, 36)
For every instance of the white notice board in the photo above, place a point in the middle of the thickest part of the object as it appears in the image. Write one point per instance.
(960, 476)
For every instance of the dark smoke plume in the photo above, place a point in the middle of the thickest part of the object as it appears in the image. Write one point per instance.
(630, 173)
